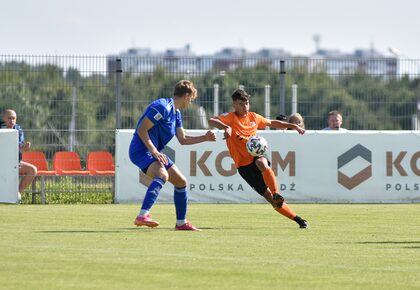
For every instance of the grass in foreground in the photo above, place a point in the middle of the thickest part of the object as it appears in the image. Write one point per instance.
(246, 246)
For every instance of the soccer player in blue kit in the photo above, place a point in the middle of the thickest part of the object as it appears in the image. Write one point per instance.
(156, 127)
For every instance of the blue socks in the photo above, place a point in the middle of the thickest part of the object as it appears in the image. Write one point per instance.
(181, 201)
(152, 194)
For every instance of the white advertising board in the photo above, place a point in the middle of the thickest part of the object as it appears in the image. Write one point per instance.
(320, 166)
(9, 168)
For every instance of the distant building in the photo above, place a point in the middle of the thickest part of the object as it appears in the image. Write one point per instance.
(368, 61)
(270, 57)
(183, 60)
(133, 60)
(179, 60)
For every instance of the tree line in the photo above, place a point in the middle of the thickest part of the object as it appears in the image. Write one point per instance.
(48, 97)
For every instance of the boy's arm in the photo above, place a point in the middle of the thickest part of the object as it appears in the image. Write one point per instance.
(286, 125)
(188, 140)
(215, 122)
(143, 132)
(24, 146)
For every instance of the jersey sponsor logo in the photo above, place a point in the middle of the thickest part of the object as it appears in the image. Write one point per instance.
(158, 116)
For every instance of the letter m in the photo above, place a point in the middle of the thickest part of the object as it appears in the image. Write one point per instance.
(289, 160)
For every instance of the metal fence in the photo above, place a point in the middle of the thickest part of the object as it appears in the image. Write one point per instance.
(74, 103)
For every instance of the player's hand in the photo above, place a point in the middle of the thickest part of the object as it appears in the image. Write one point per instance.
(299, 129)
(160, 157)
(227, 133)
(210, 136)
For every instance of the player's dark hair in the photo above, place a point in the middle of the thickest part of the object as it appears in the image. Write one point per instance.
(240, 94)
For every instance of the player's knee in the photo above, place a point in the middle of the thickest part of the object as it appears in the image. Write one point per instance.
(261, 164)
(182, 182)
(163, 174)
(33, 170)
(28, 169)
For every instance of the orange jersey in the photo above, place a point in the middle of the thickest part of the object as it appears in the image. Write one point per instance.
(242, 129)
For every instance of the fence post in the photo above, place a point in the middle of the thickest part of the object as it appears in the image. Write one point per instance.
(267, 101)
(118, 72)
(282, 88)
(294, 98)
(72, 129)
(216, 100)
(415, 119)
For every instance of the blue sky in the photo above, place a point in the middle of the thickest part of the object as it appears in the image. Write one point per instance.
(83, 27)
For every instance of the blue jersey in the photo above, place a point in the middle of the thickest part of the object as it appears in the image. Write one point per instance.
(166, 119)
(21, 139)
(21, 134)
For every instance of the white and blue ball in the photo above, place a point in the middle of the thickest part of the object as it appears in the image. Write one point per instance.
(256, 146)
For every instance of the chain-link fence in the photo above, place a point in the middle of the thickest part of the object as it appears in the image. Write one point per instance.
(75, 103)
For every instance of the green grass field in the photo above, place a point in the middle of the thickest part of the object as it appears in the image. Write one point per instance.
(246, 246)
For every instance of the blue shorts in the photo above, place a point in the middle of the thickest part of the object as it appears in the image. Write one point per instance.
(144, 159)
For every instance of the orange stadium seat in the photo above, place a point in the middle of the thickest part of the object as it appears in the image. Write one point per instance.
(100, 163)
(38, 159)
(68, 163)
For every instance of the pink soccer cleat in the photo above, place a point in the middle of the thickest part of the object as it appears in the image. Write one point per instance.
(145, 220)
(186, 227)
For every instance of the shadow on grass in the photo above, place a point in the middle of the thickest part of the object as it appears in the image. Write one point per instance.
(99, 231)
(389, 242)
(122, 230)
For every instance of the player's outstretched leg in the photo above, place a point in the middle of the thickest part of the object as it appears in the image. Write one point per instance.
(278, 201)
(283, 208)
(144, 218)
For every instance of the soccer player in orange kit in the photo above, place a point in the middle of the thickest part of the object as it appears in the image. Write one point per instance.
(238, 126)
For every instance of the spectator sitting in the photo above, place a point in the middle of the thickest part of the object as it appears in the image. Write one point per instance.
(27, 170)
(282, 117)
(335, 120)
(297, 119)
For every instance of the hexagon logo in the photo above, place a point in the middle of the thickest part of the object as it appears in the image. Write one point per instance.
(359, 160)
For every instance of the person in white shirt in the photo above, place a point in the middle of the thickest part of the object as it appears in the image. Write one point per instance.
(335, 120)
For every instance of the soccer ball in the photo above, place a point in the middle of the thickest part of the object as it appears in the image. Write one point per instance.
(256, 146)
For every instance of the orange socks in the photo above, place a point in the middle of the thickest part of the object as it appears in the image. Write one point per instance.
(286, 211)
(270, 180)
